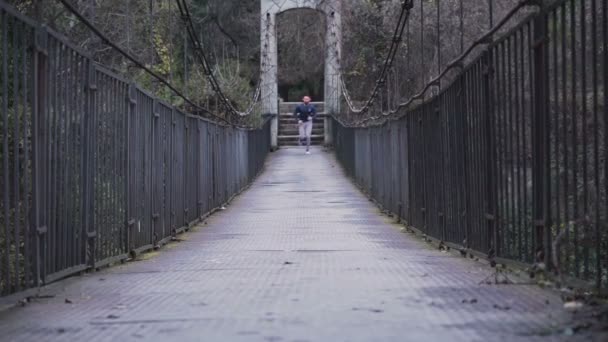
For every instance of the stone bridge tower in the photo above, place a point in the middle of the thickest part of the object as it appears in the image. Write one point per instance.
(269, 58)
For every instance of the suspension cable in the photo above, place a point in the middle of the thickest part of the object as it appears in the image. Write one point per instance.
(135, 61)
(404, 15)
(456, 63)
(204, 61)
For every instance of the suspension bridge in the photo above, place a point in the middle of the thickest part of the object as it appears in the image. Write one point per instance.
(473, 209)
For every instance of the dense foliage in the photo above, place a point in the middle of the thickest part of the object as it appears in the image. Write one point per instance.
(153, 31)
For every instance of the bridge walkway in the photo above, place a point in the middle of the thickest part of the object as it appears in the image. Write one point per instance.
(300, 256)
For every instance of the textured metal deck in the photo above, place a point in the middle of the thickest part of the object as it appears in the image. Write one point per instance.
(301, 256)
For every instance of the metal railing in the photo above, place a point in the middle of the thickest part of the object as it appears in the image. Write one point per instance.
(511, 158)
(93, 168)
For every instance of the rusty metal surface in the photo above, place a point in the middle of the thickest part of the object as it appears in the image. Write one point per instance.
(301, 256)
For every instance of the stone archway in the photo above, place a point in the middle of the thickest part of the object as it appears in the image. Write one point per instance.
(269, 59)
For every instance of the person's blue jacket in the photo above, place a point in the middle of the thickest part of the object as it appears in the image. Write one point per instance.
(304, 111)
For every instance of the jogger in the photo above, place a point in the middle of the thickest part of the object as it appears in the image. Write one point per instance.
(305, 113)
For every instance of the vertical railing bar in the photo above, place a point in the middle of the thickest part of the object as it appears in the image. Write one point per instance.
(87, 173)
(149, 171)
(52, 160)
(185, 171)
(52, 113)
(5, 151)
(500, 141)
(95, 219)
(131, 218)
(491, 223)
(540, 157)
(103, 185)
(76, 189)
(27, 158)
(67, 195)
(63, 133)
(447, 167)
(126, 164)
(40, 142)
(585, 218)
(596, 163)
(410, 153)
(16, 173)
(564, 262)
(154, 123)
(117, 163)
(129, 187)
(51, 200)
(425, 175)
(553, 112)
(494, 220)
(100, 163)
(75, 155)
(528, 139)
(519, 131)
(474, 193)
(104, 193)
(546, 124)
(485, 235)
(121, 106)
(60, 155)
(605, 117)
(172, 167)
(469, 157)
(70, 162)
(442, 132)
(109, 140)
(80, 112)
(79, 105)
(575, 215)
(511, 132)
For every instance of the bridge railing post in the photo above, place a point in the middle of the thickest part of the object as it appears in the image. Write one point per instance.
(39, 147)
(131, 177)
(540, 141)
(88, 171)
(493, 245)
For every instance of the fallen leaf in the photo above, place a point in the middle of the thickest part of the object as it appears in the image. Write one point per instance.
(573, 305)
(503, 308)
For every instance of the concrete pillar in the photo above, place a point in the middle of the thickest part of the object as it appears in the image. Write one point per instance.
(333, 90)
(332, 58)
(269, 88)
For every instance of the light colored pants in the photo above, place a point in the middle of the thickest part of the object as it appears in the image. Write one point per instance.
(305, 133)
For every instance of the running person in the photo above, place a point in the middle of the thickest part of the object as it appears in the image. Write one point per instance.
(305, 113)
